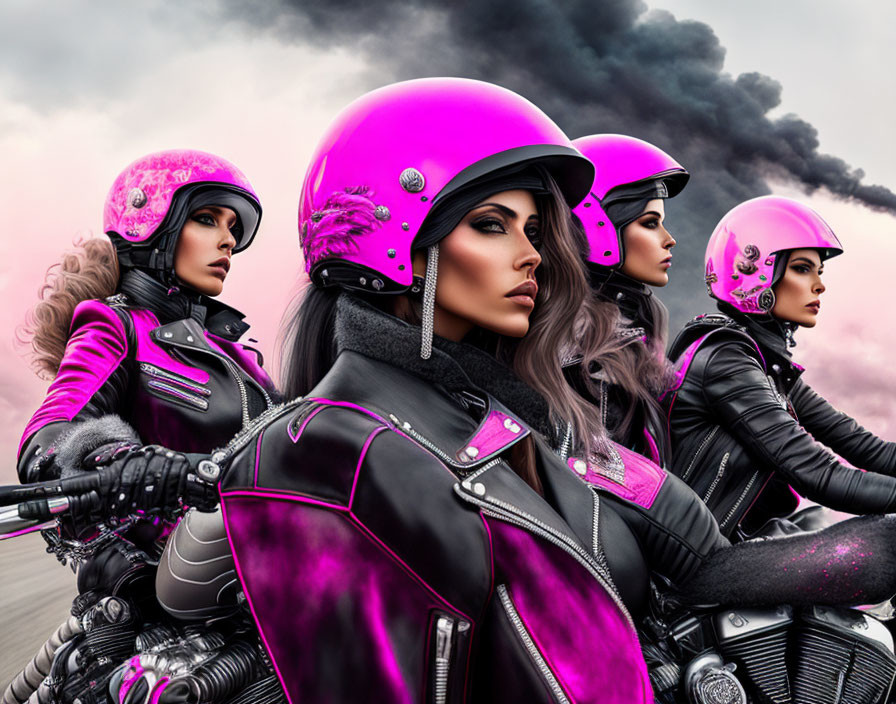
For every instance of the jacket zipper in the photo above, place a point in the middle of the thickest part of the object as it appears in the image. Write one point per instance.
(740, 500)
(536, 656)
(715, 482)
(155, 371)
(234, 372)
(512, 515)
(709, 436)
(566, 445)
(178, 393)
(444, 633)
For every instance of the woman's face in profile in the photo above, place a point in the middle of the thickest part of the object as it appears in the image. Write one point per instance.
(797, 293)
(204, 248)
(486, 273)
(648, 246)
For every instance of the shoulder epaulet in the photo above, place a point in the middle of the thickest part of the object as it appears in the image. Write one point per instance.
(628, 475)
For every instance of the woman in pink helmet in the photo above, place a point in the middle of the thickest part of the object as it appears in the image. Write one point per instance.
(627, 251)
(744, 426)
(142, 354)
(426, 539)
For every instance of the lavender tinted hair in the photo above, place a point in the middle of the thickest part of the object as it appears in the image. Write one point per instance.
(609, 353)
(91, 271)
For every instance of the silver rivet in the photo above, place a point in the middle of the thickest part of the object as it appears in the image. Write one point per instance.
(382, 213)
(219, 456)
(406, 425)
(391, 253)
(169, 454)
(412, 180)
(208, 471)
(324, 274)
(580, 466)
(136, 198)
(511, 426)
(467, 485)
(167, 334)
(362, 281)
(479, 489)
(405, 226)
(189, 338)
(377, 284)
(471, 451)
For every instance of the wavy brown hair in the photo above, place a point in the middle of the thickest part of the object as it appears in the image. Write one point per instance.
(90, 271)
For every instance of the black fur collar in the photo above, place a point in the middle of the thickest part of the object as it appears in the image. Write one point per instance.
(455, 366)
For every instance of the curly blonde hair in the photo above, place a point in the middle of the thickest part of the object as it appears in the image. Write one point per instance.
(90, 271)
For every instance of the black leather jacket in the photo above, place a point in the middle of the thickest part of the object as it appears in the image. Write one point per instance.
(389, 552)
(382, 504)
(744, 426)
(168, 363)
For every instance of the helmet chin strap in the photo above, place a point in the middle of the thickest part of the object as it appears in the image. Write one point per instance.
(429, 301)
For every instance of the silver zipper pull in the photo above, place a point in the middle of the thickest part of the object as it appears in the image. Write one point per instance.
(444, 631)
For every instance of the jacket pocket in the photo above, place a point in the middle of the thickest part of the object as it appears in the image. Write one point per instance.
(449, 638)
(529, 644)
(168, 385)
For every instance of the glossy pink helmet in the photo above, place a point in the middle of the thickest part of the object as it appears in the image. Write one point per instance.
(142, 195)
(741, 254)
(620, 161)
(394, 153)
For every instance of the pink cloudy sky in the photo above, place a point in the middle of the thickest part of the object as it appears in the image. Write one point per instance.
(87, 87)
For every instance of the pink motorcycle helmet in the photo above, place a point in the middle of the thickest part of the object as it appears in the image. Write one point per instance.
(621, 163)
(396, 152)
(742, 251)
(142, 195)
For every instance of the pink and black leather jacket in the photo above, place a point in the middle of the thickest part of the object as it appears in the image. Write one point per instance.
(745, 428)
(169, 364)
(389, 553)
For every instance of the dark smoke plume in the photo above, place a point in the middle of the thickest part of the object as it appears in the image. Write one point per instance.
(599, 66)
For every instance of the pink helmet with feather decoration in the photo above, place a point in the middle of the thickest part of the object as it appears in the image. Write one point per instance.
(394, 153)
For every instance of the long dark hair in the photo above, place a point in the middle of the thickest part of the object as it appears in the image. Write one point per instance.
(310, 347)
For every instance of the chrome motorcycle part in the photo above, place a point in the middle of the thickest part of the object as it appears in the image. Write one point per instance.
(708, 680)
(842, 655)
(756, 640)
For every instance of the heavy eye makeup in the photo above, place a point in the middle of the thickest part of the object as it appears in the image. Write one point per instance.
(804, 266)
(497, 220)
(210, 218)
(650, 220)
(204, 217)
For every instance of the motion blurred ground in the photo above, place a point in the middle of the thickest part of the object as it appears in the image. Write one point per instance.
(36, 594)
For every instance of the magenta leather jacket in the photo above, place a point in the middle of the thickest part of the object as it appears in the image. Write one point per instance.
(167, 364)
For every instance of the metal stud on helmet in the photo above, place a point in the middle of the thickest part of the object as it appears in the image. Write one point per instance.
(142, 195)
(741, 253)
(620, 161)
(393, 154)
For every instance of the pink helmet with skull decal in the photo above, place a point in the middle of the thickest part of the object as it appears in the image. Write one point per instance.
(143, 193)
(741, 253)
(620, 161)
(394, 153)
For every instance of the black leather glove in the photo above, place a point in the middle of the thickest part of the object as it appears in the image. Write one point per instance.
(150, 479)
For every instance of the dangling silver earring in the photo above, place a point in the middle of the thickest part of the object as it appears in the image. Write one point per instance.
(429, 301)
